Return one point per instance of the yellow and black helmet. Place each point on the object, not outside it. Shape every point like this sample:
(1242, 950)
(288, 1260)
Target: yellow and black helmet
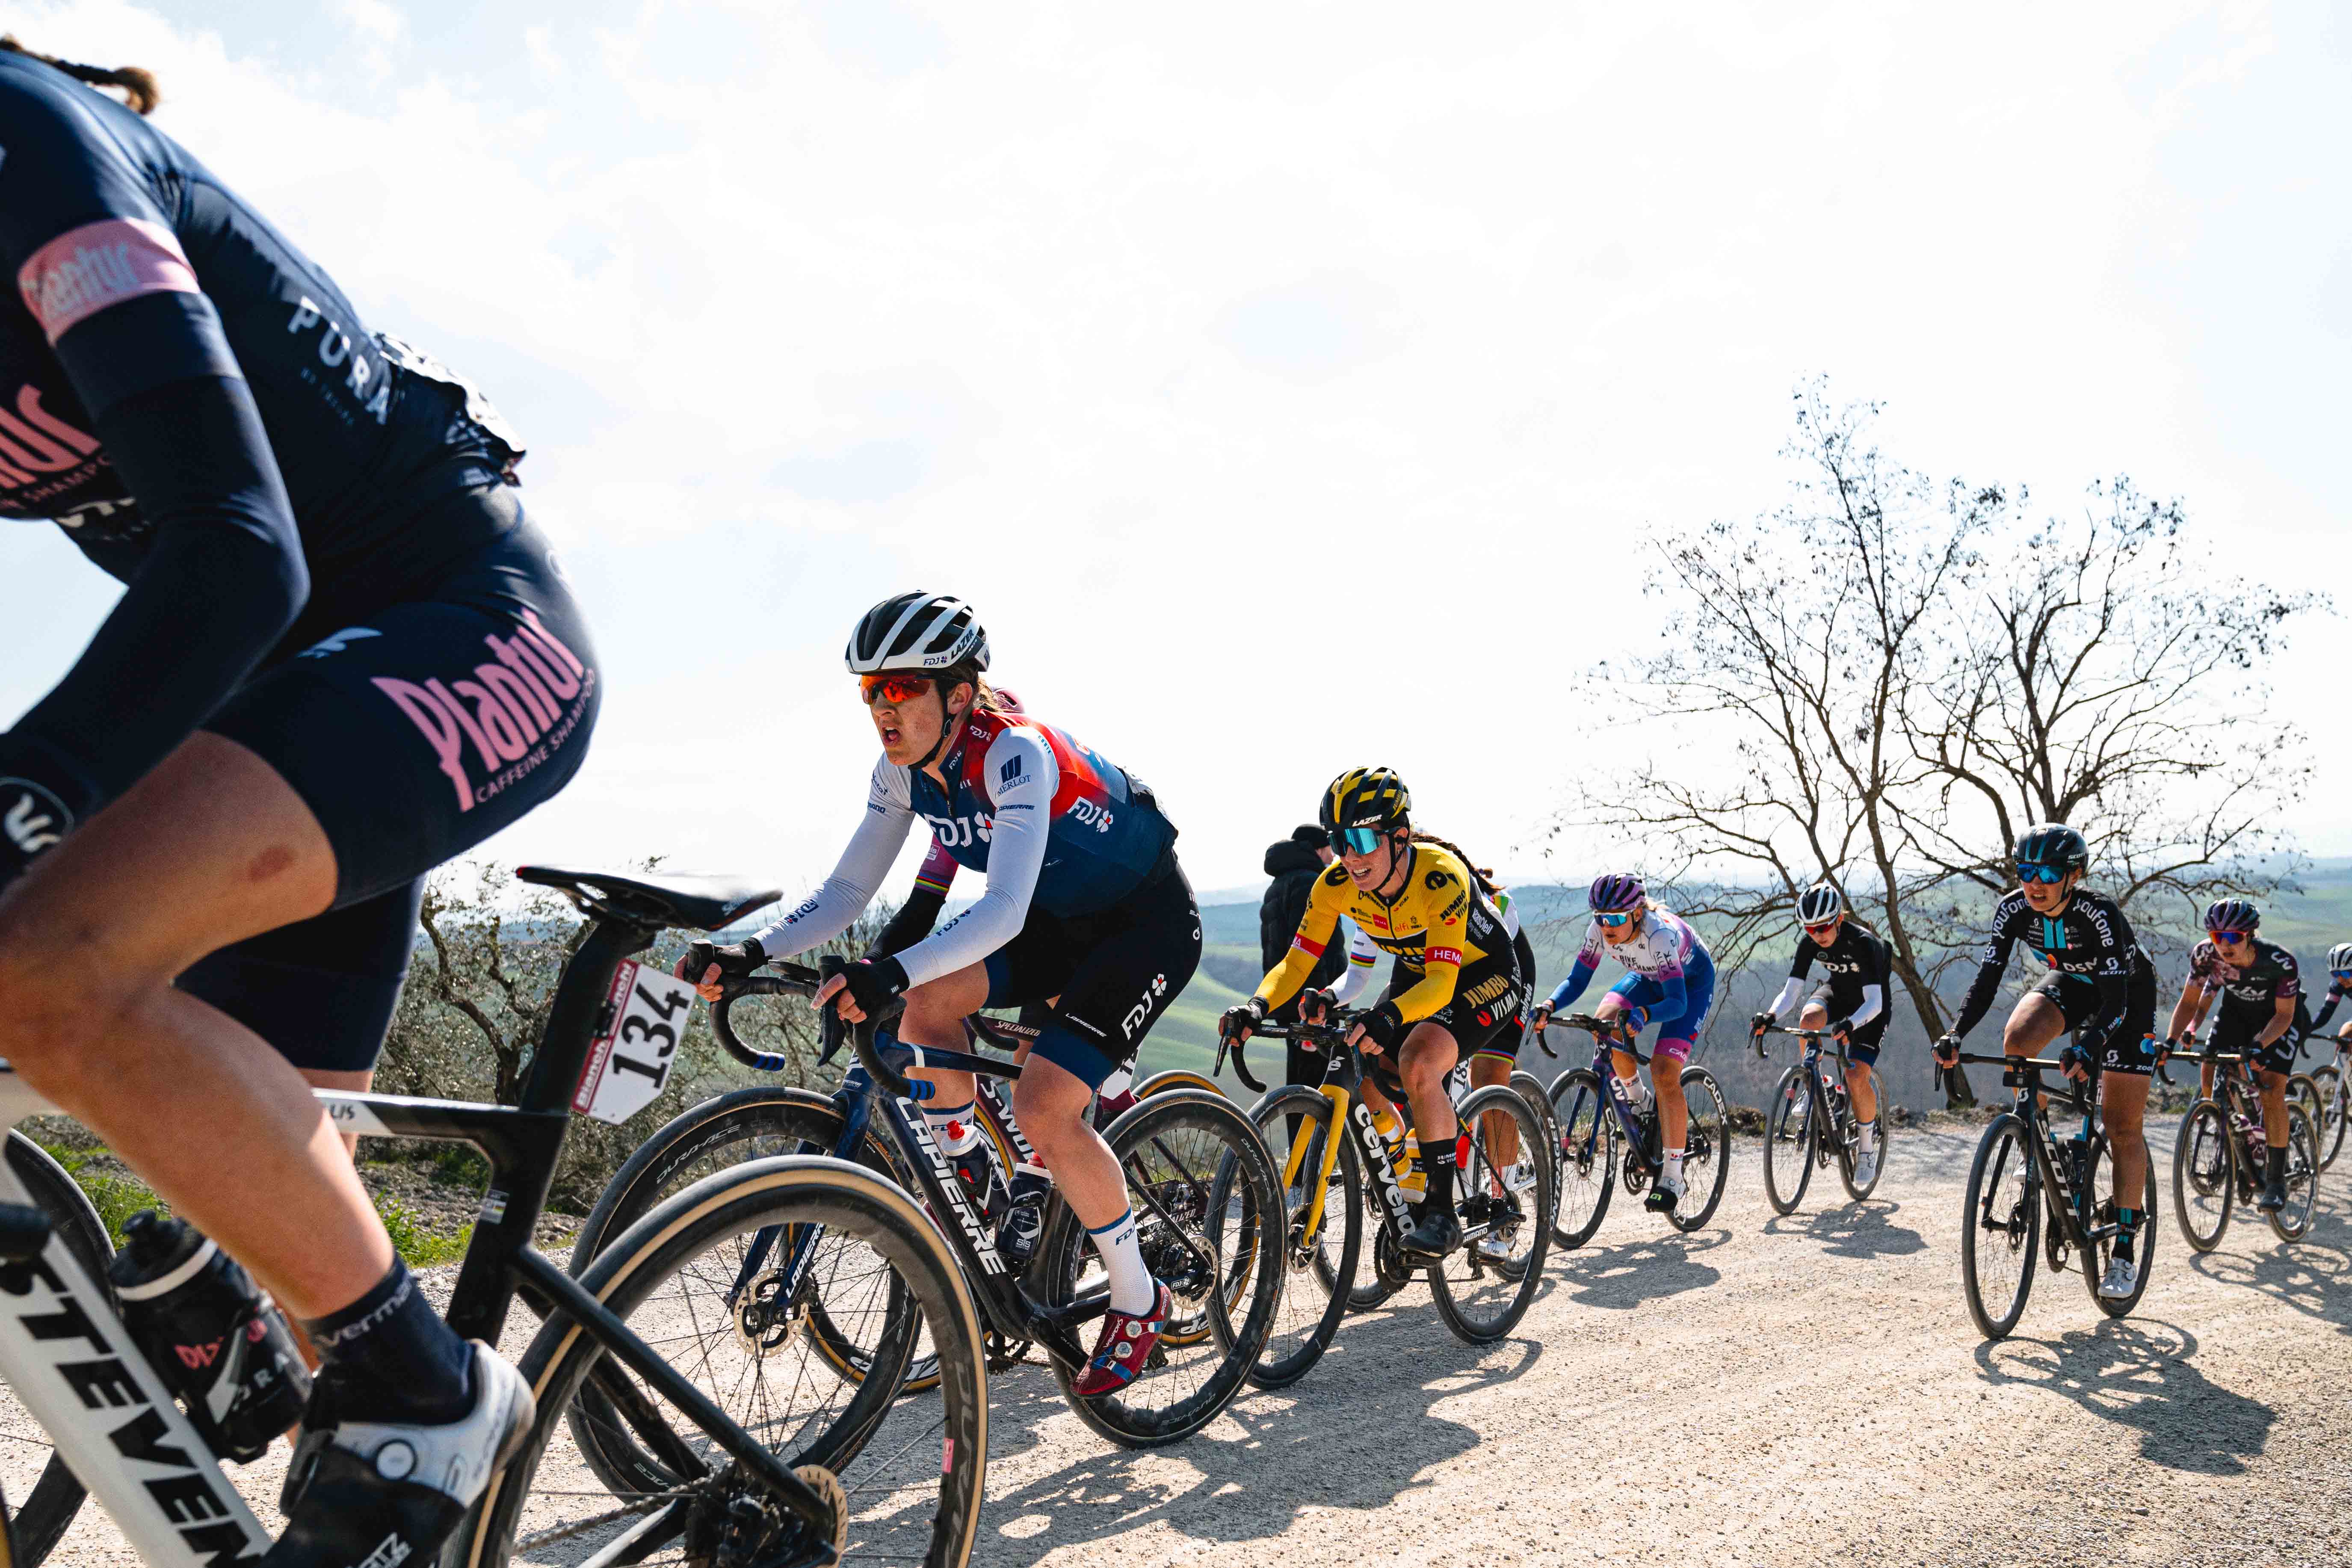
(1373, 799)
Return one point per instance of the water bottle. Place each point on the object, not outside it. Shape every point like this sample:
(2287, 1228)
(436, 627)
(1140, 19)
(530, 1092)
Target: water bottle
(219, 1344)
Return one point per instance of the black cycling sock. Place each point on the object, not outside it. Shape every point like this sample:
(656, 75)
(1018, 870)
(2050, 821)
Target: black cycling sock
(1438, 1163)
(397, 1360)
(2127, 1232)
(2274, 1164)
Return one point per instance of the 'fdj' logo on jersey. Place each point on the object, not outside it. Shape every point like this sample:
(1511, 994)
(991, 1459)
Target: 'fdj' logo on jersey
(514, 711)
(1090, 814)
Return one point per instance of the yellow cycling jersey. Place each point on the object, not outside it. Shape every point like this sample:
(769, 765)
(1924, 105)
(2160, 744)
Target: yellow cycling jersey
(1439, 923)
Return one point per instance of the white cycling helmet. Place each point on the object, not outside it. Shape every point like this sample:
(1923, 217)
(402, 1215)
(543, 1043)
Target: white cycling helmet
(1820, 904)
(917, 631)
(2340, 957)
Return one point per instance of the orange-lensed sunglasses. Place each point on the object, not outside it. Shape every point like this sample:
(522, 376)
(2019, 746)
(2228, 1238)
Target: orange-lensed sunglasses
(893, 687)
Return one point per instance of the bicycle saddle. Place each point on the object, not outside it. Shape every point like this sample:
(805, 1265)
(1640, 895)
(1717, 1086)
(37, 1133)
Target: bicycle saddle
(697, 904)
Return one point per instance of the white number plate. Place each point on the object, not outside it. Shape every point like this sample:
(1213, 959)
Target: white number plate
(628, 1065)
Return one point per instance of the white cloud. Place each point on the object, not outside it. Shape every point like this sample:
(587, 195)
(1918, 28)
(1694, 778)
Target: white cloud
(1273, 378)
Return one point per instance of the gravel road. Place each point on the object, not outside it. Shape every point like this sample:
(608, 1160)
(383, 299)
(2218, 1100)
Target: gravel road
(1763, 1391)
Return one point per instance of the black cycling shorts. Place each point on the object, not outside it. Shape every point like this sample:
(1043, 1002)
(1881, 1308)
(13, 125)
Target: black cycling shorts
(1115, 972)
(2131, 1045)
(2234, 1030)
(1486, 1017)
(412, 734)
(1862, 1045)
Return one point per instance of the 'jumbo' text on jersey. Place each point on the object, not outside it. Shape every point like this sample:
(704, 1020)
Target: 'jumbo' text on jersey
(1439, 923)
(2089, 941)
(2268, 974)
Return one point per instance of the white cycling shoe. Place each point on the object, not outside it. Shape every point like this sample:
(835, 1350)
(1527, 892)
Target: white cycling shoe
(1866, 1166)
(2120, 1279)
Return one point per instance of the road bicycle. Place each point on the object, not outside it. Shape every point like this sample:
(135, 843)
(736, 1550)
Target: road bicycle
(703, 1489)
(2030, 1195)
(1810, 1121)
(1207, 1206)
(1604, 1138)
(1335, 1167)
(2325, 1096)
(768, 1119)
(2220, 1159)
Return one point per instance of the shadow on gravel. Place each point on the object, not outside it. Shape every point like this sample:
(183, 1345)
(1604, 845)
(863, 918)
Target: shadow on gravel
(1631, 1273)
(1250, 1474)
(1854, 1230)
(2136, 1372)
(2313, 1276)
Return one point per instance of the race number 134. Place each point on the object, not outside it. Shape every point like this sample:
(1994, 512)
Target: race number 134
(631, 1061)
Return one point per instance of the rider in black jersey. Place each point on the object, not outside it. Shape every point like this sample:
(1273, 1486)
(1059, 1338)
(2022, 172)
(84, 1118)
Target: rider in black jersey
(341, 656)
(1850, 1001)
(2100, 986)
(2261, 1018)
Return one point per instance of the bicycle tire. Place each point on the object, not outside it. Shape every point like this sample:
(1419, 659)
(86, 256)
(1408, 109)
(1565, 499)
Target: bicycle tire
(2293, 1222)
(1586, 1172)
(1707, 1149)
(53, 1500)
(1179, 1077)
(2001, 1224)
(2202, 1192)
(1531, 1090)
(1457, 1282)
(2303, 1089)
(1317, 1277)
(2332, 1113)
(1175, 1146)
(1791, 1130)
(1847, 1154)
(2101, 1167)
(846, 1200)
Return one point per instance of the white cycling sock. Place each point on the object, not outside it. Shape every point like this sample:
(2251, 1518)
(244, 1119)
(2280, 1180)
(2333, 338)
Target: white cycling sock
(1865, 1137)
(1673, 1174)
(954, 1128)
(1131, 1287)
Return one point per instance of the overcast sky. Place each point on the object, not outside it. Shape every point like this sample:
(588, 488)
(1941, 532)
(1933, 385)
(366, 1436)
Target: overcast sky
(1289, 386)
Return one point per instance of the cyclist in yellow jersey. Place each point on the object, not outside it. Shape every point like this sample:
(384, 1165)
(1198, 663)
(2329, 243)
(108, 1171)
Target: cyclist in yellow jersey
(1456, 987)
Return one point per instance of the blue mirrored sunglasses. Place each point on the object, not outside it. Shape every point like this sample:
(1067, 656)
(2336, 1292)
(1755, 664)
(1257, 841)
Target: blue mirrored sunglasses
(2039, 874)
(1613, 919)
(1355, 840)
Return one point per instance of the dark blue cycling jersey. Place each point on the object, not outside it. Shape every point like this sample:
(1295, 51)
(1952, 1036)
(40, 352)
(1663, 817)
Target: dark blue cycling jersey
(207, 416)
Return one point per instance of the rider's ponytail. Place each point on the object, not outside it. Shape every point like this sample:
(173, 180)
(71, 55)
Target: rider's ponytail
(1485, 876)
(136, 83)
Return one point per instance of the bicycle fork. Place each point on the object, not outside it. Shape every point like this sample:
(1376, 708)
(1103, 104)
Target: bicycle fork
(1328, 1157)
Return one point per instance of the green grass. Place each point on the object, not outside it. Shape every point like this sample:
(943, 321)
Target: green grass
(414, 1239)
(117, 1196)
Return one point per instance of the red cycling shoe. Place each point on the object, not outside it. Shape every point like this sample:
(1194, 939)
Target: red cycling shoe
(1126, 1343)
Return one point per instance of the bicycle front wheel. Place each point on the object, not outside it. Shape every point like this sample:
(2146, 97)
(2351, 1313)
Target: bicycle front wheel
(2101, 1176)
(1209, 1212)
(2293, 1222)
(1484, 1287)
(2329, 1080)
(1323, 1228)
(2001, 1227)
(2203, 1184)
(1789, 1130)
(30, 1467)
(1706, 1150)
(914, 1492)
(1587, 1169)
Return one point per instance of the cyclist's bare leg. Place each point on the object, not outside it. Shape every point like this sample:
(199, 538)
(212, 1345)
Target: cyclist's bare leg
(2122, 1108)
(1429, 1053)
(347, 1083)
(2034, 1024)
(934, 1018)
(2274, 1094)
(211, 847)
(1383, 1108)
(1050, 1103)
(1502, 1131)
(1857, 1075)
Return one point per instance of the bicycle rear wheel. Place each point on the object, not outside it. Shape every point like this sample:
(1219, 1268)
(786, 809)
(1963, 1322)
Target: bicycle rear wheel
(1299, 1133)
(30, 1467)
(1847, 1154)
(1586, 1172)
(2001, 1227)
(2329, 1080)
(2204, 1185)
(1790, 1132)
(1706, 1150)
(913, 1491)
(2102, 1178)
(1209, 1215)
(1482, 1292)
(1531, 1090)
(2293, 1222)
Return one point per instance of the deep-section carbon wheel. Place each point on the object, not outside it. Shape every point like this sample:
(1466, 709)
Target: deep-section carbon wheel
(1706, 1150)
(1323, 1210)
(2001, 1227)
(1503, 1193)
(1587, 1168)
(2103, 1213)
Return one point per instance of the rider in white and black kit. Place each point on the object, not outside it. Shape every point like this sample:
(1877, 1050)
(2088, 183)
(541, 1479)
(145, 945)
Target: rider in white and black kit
(2100, 986)
(2261, 1018)
(1850, 1001)
(1086, 907)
